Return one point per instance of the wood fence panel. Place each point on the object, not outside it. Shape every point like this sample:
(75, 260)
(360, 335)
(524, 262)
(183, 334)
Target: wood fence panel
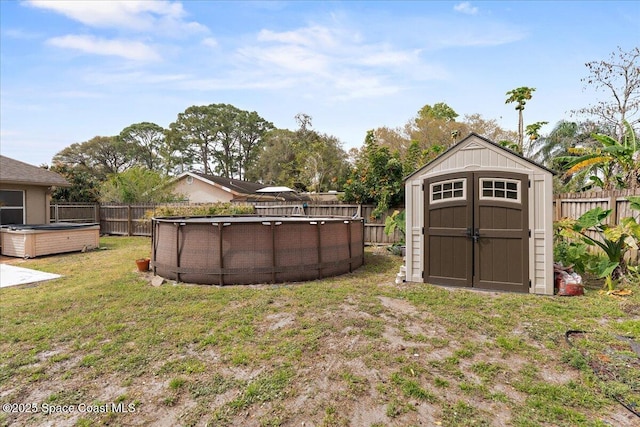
(74, 212)
(114, 220)
(573, 205)
(373, 227)
(129, 220)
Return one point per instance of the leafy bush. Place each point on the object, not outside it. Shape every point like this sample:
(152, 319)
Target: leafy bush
(575, 238)
(220, 208)
(377, 178)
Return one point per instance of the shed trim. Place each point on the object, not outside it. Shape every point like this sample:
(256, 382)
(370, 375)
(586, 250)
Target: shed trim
(473, 146)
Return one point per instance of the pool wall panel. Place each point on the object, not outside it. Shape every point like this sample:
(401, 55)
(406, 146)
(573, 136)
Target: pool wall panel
(212, 250)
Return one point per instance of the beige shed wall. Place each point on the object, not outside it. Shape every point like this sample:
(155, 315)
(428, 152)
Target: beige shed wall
(475, 155)
(36, 202)
(201, 192)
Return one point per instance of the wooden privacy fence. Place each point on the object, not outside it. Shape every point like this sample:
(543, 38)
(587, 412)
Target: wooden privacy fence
(373, 228)
(75, 212)
(574, 205)
(125, 220)
(130, 220)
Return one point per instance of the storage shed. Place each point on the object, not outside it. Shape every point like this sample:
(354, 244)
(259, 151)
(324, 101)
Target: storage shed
(481, 216)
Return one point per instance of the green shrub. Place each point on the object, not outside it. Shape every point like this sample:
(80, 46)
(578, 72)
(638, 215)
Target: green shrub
(219, 208)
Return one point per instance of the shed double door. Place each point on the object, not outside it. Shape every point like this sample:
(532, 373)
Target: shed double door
(476, 230)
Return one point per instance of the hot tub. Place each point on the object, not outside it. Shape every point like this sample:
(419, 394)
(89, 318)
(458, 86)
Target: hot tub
(255, 249)
(29, 240)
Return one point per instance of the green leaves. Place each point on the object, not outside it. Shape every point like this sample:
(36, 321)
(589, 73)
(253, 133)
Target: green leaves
(591, 218)
(377, 178)
(614, 162)
(221, 137)
(395, 221)
(591, 230)
(137, 185)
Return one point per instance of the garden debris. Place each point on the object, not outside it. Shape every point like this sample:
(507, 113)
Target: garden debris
(620, 292)
(567, 282)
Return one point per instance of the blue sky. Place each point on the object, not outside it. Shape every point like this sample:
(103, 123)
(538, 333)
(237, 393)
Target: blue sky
(71, 70)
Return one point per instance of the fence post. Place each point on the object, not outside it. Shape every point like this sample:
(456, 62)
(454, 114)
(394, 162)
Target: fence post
(128, 220)
(558, 208)
(613, 205)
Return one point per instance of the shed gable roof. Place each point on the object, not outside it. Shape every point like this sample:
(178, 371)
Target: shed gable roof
(473, 140)
(17, 172)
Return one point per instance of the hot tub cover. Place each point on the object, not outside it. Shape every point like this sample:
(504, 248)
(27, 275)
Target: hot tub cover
(54, 226)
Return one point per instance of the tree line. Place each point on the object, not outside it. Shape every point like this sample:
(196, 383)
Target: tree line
(599, 150)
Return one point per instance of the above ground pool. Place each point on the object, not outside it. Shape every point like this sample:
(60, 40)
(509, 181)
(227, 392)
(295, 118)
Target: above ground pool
(251, 249)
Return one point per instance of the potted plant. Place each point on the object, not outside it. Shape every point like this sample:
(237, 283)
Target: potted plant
(143, 264)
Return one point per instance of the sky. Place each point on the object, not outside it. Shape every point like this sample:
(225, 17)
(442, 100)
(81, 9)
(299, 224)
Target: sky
(72, 70)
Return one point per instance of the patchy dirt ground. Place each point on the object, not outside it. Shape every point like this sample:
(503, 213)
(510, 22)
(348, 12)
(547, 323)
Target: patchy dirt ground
(378, 362)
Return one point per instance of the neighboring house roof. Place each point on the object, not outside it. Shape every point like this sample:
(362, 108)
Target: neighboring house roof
(475, 135)
(234, 186)
(237, 187)
(17, 172)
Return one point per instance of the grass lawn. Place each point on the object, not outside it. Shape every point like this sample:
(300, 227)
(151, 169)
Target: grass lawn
(101, 346)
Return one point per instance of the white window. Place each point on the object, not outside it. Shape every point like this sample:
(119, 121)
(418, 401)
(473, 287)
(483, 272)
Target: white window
(500, 189)
(11, 207)
(444, 191)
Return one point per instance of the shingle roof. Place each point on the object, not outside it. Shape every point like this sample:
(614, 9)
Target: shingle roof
(17, 172)
(244, 189)
(235, 185)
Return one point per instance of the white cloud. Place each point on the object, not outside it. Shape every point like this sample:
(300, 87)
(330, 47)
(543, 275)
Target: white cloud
(465, 7)
(314, 36)
(128, 49)
(295, 59)
(210, 42)
(134, 15)
(376, 56)
(338, 62)
(19, 34)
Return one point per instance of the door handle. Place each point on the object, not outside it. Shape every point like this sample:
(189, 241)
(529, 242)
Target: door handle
(473, 234)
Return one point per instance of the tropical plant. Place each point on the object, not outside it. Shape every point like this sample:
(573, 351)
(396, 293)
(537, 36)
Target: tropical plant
(575, 237)
(520, 96)
(393, 222)
(396, 221)
(614, 164)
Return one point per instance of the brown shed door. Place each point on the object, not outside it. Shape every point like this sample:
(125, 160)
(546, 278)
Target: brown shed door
(476, 231)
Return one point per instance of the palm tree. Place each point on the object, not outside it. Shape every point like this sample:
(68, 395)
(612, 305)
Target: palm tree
(614, 163)
(520, 96)
(562, 137)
